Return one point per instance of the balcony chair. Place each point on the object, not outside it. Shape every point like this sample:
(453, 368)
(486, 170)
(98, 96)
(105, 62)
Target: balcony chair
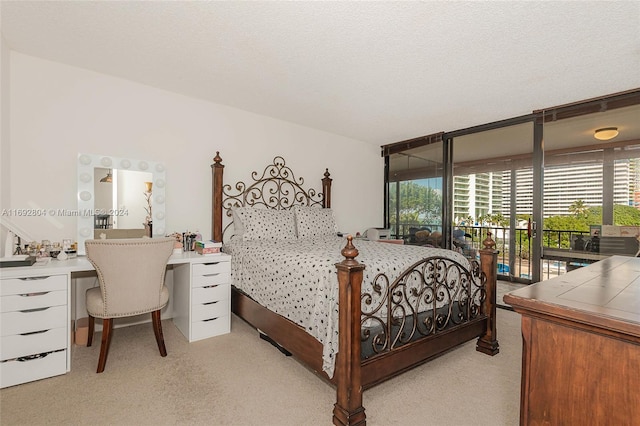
(131, 275)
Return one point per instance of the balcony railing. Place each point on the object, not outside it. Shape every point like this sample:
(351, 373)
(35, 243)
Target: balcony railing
(514, 266)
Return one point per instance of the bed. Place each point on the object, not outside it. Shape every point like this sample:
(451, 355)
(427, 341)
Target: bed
(356, 312)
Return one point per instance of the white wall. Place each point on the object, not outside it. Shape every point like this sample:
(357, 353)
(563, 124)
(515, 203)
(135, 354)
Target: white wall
(58, 111)
(4, 133)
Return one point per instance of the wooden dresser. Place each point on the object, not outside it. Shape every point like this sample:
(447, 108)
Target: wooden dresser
(581, 346)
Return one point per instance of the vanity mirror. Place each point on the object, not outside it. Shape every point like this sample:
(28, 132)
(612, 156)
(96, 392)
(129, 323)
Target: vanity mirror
(141, 196)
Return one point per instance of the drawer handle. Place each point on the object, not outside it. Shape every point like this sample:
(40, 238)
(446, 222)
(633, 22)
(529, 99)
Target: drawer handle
(210, 303)
(211, 275)
(42, 293)
(211, 263)
(32, 357)
(26, 311)
(34, 332)
(210, 319)
(33, 278)
(211, 286)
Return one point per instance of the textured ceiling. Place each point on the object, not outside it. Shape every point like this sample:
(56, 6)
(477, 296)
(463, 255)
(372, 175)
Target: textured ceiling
(375, 71)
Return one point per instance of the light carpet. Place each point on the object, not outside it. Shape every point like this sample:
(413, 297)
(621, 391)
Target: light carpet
(239, 379)
(504, 287)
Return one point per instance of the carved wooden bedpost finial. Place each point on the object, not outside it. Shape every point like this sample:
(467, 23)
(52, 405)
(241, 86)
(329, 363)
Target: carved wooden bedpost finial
(217, 159)
(488, 242)
(350, 252)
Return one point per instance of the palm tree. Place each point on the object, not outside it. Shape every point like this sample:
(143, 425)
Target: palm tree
(578, 208)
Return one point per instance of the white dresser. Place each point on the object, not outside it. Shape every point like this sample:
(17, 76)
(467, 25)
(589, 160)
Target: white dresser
(205, 310)
(35, 328)
(36, 320)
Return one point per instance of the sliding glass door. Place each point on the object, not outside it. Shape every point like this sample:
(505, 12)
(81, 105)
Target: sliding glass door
(493, 193)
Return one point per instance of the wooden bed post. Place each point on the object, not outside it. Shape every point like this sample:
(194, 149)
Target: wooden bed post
(488, 342)
(326, 190)
(348, 409)
(217, 170)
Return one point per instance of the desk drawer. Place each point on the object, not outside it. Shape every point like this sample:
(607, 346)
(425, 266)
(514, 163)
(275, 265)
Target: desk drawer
(26, 370)
(211, 279)
(19, 322)
(213, 267)
(32, 285)
(205, 311)
(25, 301)
(210, 294)
(209, 328)
(18, 345)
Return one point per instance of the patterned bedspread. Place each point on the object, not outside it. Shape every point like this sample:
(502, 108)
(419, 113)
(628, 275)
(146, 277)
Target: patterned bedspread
(298, 279)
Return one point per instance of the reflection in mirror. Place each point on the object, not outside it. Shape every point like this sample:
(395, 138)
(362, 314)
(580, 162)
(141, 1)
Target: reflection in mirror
(119, 197)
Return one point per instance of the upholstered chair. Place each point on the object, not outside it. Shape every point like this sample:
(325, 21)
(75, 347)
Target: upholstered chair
(131, 275)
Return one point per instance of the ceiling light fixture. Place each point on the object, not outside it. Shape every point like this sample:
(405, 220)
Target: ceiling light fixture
(108, 178)
(606, 133)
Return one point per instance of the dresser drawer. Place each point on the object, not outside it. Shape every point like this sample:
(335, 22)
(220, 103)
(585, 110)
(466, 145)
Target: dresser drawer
(24, 301)
(211, 279)
(18, 345)
(209, 328)
(210, 294)
(28, 369)
(32, 284)
(206, 311)
(211, 268)
(19, 322)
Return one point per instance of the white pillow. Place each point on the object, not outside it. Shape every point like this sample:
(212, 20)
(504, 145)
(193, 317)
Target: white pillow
(238, 227)
(266, 224)
(314, 222)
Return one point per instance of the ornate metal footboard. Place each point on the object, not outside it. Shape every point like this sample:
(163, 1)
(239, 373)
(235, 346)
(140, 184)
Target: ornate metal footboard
(432, 295)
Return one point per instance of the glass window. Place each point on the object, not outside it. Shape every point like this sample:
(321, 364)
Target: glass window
(415, 194)
(591, 189)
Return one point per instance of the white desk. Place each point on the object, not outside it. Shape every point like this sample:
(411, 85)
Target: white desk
(36, 317)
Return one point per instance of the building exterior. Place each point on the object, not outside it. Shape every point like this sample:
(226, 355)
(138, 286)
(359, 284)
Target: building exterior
(480, 194)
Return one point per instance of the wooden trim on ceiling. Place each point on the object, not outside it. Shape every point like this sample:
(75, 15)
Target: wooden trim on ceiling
(405, 145)
(491, 126)
(590, 106)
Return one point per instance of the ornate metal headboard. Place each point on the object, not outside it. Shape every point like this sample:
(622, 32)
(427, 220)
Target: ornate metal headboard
(276, 188)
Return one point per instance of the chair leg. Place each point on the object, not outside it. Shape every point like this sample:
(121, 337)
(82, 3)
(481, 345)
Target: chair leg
(92, 321)
(157, 329)
(107, 328)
